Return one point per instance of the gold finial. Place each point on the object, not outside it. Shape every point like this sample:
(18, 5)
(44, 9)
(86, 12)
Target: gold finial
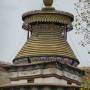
(48, 3)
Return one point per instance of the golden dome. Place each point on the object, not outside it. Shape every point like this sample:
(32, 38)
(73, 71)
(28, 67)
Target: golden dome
(48, 2)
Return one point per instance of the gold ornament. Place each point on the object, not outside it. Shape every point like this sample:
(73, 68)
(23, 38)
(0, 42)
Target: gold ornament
(48, 2)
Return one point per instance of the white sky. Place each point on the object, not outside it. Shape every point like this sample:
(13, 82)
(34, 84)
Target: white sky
(12, 37)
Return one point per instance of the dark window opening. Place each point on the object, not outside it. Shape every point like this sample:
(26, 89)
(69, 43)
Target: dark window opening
(31, 81)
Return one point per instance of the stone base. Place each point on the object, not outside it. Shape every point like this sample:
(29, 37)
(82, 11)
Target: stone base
(38, 87)
(45, 73)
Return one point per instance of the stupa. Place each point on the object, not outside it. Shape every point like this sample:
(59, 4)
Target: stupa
(46, 61)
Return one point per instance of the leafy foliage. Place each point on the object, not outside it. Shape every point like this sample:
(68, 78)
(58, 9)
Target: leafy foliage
(82, 20)
(86, 78)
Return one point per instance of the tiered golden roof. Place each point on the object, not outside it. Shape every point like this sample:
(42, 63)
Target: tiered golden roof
(46, 40)
(46, 37)
(38, 46)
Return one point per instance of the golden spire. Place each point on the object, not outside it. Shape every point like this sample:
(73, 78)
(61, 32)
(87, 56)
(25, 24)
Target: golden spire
(48, 3)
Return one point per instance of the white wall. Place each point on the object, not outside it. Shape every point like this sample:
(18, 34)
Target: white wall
(51, 80)
(19, 82)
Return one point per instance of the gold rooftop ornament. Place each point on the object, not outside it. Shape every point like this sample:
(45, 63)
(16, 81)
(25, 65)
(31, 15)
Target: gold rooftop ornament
(48, 3)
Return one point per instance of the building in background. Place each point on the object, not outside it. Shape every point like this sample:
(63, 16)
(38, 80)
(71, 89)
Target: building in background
(46, 61)
(4, 78)
(86, 78)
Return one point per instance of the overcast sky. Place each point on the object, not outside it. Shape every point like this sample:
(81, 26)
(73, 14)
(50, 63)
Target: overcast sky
(12, 37)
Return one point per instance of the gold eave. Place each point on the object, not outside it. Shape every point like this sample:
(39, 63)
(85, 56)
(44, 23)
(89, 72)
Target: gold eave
(52, 16)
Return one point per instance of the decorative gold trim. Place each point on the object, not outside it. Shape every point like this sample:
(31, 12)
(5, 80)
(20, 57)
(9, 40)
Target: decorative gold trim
(52, 18)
